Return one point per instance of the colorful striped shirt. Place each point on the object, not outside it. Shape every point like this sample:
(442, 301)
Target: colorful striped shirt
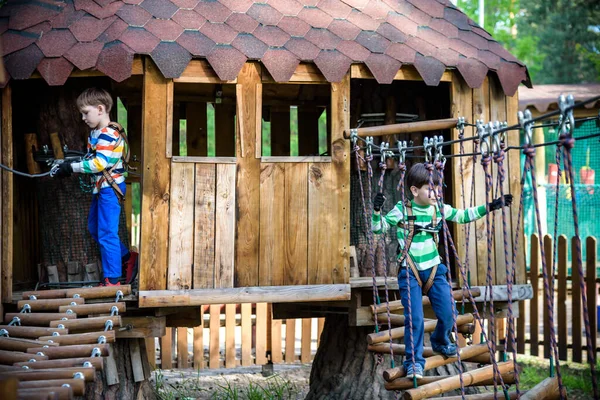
(423, 249)
(104, 150)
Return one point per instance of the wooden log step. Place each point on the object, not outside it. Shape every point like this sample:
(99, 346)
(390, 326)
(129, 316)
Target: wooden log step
(31, 332)
(37, 319)
(11, 357)
(89, 374)
(81, 350)
(88, 324)
(97, 363)
(453, 382)
(481, 396)
(547, 389)
(17, 344)
(45, 294)
(78, 385)
(407, 383)
(400, 349)
(397, 333)
(438, 360)
(4, 368)
(100, 292)
(48, 304)
(100, 308)
(59, 393)
(81, 338)
(397, 304)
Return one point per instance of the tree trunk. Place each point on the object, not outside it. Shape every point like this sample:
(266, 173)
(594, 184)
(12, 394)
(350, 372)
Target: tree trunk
(343, 368)
(125, 359)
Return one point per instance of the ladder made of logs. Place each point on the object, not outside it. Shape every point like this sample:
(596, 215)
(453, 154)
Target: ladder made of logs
(432, 386)
(57, 342)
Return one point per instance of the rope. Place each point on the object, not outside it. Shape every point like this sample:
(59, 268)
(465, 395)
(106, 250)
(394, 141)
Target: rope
(26, 175)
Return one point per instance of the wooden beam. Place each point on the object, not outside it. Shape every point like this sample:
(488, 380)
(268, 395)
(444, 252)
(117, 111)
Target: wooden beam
(519, 292)
(169, 120)
(406, 73)
(156, 173)
(271, 294)
(406, 127)
(205, 160)
(142, 327)
(6, 245)
(547, 389)
(295, 159)
(200, 71)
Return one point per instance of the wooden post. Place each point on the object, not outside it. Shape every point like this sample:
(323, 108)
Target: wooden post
(548, 251)
(166, 352)
(74, 272)
(533, 303)
(246, 314)
(563, 336)
(56, 146)
(576, 313)
(199, 342)
(31, 146)
(156, 173)
(6, 220)
(91, 271)
(590, 247)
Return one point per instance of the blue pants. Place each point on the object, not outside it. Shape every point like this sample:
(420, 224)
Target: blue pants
(439, 294)
(103, 224)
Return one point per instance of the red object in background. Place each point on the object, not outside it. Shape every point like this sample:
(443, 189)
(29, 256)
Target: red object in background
(587, 176)
(552, 174)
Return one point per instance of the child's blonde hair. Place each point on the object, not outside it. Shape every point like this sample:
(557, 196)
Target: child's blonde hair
(95, 97)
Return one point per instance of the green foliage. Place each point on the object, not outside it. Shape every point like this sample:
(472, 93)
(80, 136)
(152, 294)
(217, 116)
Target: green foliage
(558, 40)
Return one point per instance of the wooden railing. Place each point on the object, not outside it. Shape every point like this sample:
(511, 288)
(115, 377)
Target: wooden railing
(235, 335)
(533, 324)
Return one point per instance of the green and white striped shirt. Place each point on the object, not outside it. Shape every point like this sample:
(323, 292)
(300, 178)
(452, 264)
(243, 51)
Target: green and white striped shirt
(423, 249)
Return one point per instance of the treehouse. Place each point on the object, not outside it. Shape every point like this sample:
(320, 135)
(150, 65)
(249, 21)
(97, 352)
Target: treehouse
(236, 115)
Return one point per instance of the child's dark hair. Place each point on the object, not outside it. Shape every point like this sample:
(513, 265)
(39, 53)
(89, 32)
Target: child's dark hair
(418, 176)
(95, 97)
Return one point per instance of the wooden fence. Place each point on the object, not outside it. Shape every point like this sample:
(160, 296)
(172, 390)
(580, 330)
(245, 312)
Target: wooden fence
(533, 324)
(235, 335)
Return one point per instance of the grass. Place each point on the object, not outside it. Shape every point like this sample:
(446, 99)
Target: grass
(272, 388)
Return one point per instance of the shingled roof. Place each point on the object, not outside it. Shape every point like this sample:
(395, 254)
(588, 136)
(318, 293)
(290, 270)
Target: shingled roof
(57, 36)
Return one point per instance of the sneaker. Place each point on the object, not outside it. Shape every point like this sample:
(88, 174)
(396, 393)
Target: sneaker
(416, 372)
(107, 283)
(447, 350)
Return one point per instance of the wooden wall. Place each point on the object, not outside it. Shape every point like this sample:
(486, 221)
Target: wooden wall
(489, 104)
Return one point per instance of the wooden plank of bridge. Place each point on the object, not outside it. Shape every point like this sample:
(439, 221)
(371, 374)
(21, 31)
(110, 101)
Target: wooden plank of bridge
(166, 352)
(230, 336)
(246, 334)
(290, 341)
(563, 334)
(576, 313)
(305, 352)
(590, 247)
(533, 303)
(213, 346)
(204, 227)
(261, 333)
(547, 292)
(182, 348)
(199, 342)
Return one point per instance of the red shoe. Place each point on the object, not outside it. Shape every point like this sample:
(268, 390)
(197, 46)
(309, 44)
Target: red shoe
(107, 283)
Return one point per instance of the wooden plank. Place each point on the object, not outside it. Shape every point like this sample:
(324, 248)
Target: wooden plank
(290, 341)
(306, 73)
(181, 227)
(498, 113)
(204, 160)
(590, 277)
(136, 361)
(213, 346)
(182, 348)
(276, 352)
(305, 351)
(462, 106)
(320, 326)
(199, 343)
(169, 120)
(204, 227)
(225, 214)
(196, 129)
(258, 126)
(533, 303)
(166, 352)
(246, 320)
(261, 333)
(143, 327)
(562, 332)
(272, 294)
(514, 169)
(272, 225)
(155, 182)
(520, 328)
(576, 312)
(406, 73)
(200, 71)
(151, 351)
(321, 224)
(225, 127)
(481, 109)
(295, 225)
(298, 159)
(230, 336)
(6, 245)
(248, 177)
(340, 180)
(548, 251)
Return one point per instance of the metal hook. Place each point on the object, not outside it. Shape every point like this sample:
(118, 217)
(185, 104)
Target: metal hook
(96, 352)
(39, 353)
(55, 334)
(525, 122)
(108, 325)
(76, 296)
(101, 339)
(78, 375)
(427, 146)
(460, 125)
(16, 321)
(369, 142)
(354, 136)
(32, 360)
(26, 309)
(87, 364)
(382, 148)
(69, 311)
(114, 310)
(32, 297)
(25, 367)
(66, 385)
(3, 333)
(60, 326)
(402, 151)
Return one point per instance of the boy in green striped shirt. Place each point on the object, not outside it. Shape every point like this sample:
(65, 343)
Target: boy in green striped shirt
(423, 217)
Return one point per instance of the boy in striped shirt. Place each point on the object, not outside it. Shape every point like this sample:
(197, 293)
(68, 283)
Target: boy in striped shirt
(426, 274)
(104, 153)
